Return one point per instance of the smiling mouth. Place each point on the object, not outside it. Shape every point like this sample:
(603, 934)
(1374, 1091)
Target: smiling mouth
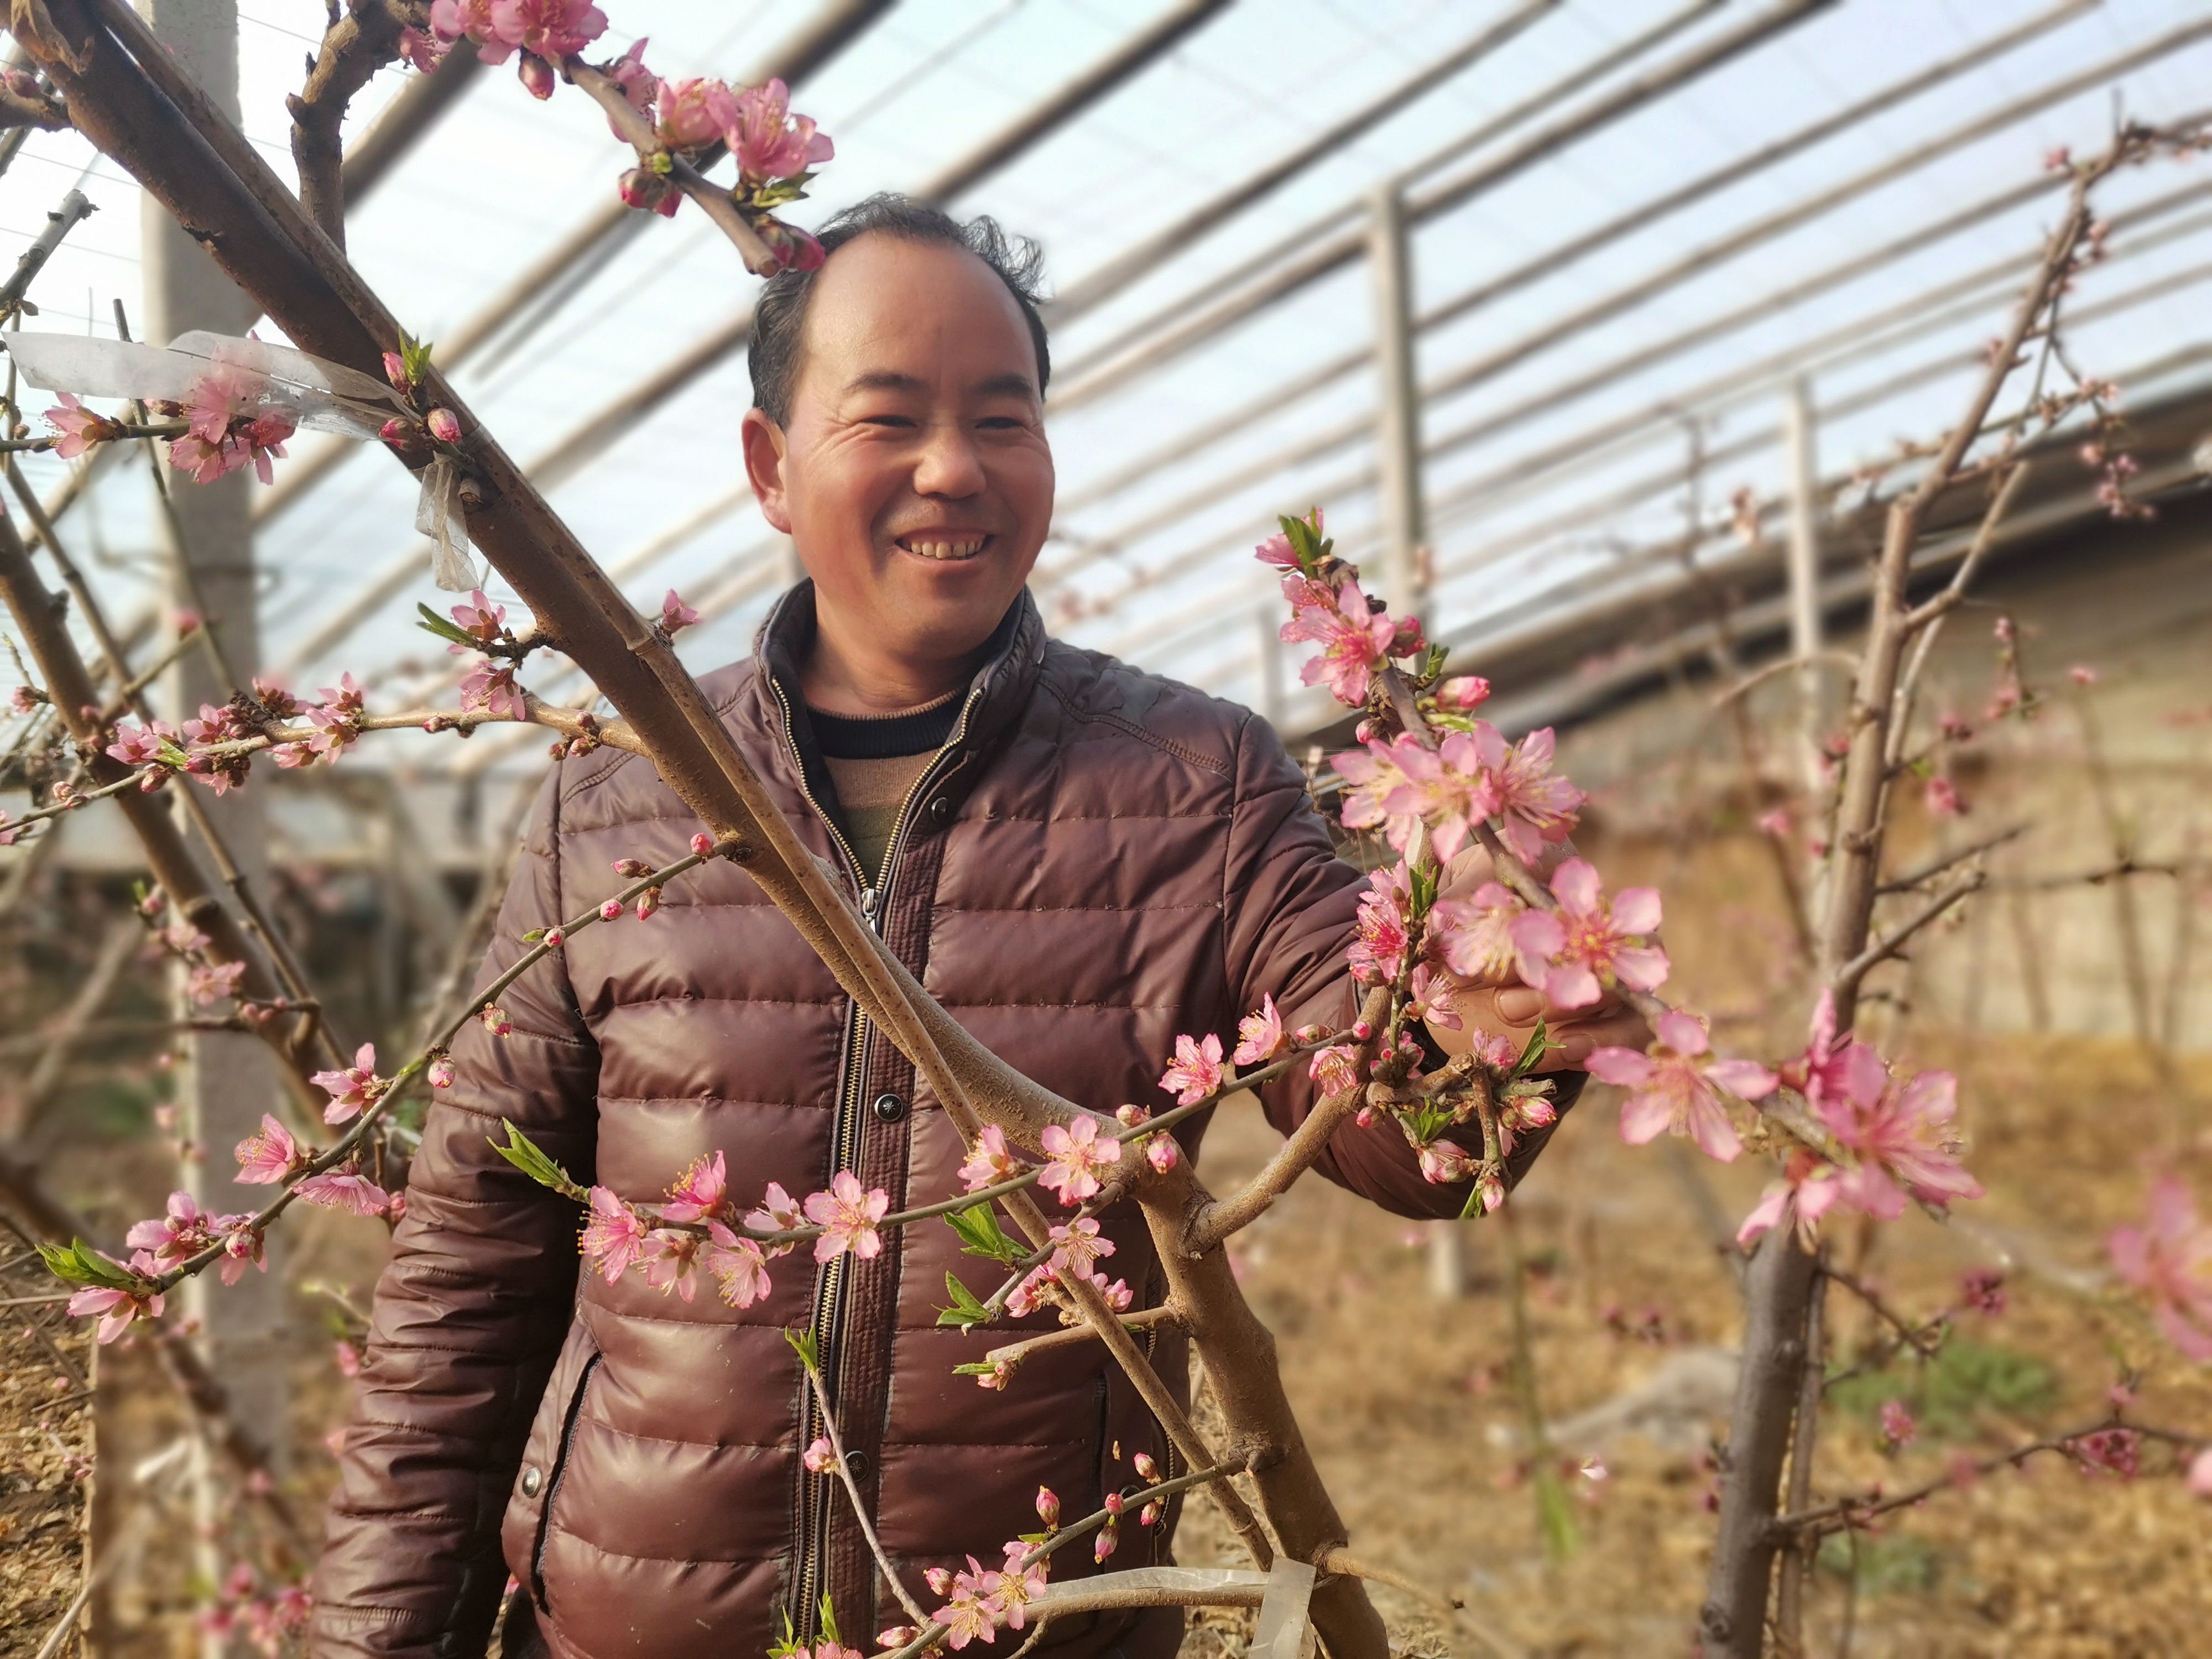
(942, 547)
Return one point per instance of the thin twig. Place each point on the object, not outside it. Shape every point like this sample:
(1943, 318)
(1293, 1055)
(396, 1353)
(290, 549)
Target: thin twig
(853, 1492)
(1847, 978)
(1936, 866)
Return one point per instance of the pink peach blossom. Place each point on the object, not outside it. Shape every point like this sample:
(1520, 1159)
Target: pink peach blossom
(1475, 935)
(352, 1090)
(675, 614)
(848, 1214)
(1335, 1069)
(1259, 1037)
(1377, 954)
(552, 29)
(116, 1308)
(739, 1265)
(80, 427)
(1587, 943)
(1355, 642)
(671, 1261)
(1451, 789)
(344, 1189)
(1078, 1153)
(1674, 1087)
(695, 112)
(2171, 1258)
(698, 1192)
(1902, 1136)
(989, 1162)
(1534, 806)
(267, 1157)
(614, 1236)
(183, 1230)
(1446, 1162)
(779, 1213)
(1195, 1074)
(768, 140)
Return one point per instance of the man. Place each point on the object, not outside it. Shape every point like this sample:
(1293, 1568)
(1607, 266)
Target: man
(1077, 860)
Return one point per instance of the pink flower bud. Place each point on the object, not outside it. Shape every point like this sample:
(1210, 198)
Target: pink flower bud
(395, 370)
(1362, 1031)
(820, 1457)
(445, 425)
(440, 1073)
(1162, 1153)
(537, 75)
(612, 910)
(646, 190)
(1463, 692)
(402, 433)
(1364, 1117)
(555, 938)
(497, 1022)
(1145, 1467)
(1131, 1117)
(648, 902)
(632, 867)
(702, 845)
(2081, 674)
(1107, 1542)
(1306, 1034)
(1048, 1506)
(938, 1580)
(1150, 1516)
(1114, 1504)
(897, 1636)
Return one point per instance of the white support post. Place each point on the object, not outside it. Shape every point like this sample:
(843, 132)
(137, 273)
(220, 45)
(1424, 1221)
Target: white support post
(1398, 403)
(228, 1079)
(1800, 439)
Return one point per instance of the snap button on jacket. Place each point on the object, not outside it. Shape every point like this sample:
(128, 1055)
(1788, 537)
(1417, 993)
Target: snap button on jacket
(1099, 859)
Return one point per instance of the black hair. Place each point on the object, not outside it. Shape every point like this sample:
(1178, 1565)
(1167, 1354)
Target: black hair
(780, 315)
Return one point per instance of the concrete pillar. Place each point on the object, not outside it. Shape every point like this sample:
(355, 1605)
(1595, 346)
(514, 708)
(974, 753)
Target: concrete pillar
(1800, 439)
(1268, 621)
(1398, 403)
(229, 1080)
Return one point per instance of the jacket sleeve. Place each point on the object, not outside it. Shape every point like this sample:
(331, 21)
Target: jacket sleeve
(1290, 913)
(470, 1313)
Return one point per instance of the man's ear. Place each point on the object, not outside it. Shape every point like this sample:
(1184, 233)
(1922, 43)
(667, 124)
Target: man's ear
(762, 441)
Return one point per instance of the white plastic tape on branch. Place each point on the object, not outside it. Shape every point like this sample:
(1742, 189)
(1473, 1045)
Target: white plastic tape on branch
(1283, 1594)
(216, 376)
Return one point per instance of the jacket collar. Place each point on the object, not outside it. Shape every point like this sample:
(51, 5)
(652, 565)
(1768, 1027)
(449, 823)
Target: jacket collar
(1004, 682)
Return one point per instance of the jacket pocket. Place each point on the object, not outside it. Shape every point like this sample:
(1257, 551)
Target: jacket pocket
(522, 1530)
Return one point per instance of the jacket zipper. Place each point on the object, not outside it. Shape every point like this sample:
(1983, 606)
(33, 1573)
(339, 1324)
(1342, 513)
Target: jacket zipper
(553, 1485)
(816, 1499)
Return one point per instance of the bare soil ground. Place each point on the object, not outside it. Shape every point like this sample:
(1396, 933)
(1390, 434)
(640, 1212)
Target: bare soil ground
(1408, 1404)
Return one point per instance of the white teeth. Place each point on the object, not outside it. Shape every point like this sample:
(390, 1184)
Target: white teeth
(962, 549)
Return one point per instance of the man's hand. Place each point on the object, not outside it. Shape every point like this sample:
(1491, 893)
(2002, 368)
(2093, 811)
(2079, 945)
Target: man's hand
(1501, 1005)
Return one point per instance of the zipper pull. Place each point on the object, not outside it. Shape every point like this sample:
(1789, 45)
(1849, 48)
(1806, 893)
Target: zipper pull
(868, 903)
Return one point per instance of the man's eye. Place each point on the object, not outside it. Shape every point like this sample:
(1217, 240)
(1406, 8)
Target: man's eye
(886, 420)
(1000, 424)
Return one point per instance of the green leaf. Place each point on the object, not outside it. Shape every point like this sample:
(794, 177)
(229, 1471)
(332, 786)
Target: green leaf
(416, 354)
(1539, 1042)
(981, 1234)
(804, 1344)
(790, 1644)
(830, 1620)
(78, 1263)
(524, 1154)
(445, 629)
(966, 1310)
(975, 1368)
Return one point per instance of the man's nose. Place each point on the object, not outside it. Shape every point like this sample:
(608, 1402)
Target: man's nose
(949, 464)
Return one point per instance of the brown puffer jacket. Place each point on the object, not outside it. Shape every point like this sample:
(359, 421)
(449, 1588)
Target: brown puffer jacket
(1099, 860)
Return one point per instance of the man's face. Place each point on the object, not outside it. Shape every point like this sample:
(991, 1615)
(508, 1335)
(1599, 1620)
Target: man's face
(913, 474)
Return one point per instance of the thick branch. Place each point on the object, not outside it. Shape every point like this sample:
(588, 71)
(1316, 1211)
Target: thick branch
(713, 200)
(353, 48)
(1299, 1153)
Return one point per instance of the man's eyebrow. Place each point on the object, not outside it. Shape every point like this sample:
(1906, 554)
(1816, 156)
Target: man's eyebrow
(1008, 386)
(885, 379)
